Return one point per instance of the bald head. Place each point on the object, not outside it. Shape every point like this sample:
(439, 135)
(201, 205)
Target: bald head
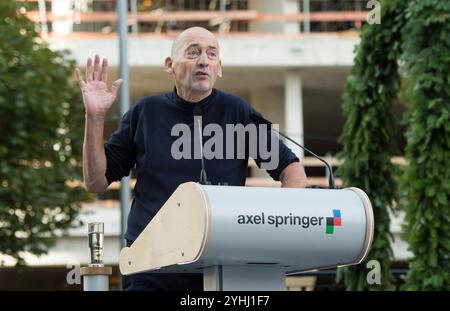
(195, 63)
(189, 34)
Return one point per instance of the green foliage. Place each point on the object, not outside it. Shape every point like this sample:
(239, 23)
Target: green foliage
(41, 141)
(369, 95)
(426, 181)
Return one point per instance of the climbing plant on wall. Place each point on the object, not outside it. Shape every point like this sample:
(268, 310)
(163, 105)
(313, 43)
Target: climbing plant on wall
(426, 181)
(367, 138)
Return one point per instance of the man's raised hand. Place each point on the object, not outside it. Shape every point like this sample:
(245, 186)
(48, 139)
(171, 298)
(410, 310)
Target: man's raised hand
(96, 96)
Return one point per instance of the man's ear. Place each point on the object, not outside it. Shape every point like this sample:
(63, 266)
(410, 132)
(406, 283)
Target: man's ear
(168, 65)
(219, 73)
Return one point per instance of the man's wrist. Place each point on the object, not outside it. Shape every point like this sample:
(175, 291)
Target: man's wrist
(95, 117)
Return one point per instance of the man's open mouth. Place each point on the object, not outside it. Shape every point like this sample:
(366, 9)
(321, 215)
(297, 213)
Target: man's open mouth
(200, 74)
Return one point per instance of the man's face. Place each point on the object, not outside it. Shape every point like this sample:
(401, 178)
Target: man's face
(196, 63)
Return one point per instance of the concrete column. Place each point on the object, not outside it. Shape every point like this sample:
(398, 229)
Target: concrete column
(62, 8)
(275, 7)
(293, 110)
(290, 7)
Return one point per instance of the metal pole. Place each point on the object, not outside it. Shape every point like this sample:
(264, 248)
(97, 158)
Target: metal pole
(223, 9)
(97, 282)
(306, 24)
(134, 12)
(124, 102)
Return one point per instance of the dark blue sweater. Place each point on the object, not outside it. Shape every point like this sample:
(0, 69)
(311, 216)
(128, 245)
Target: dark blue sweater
(144, 140)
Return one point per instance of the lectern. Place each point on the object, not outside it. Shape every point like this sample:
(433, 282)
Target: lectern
(249, 238)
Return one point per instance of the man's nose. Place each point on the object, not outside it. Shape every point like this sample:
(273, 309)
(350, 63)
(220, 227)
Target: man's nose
(203, 60)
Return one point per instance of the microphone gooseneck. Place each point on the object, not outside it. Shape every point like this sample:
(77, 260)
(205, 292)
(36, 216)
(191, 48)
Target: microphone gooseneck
(260, 120)
(198, 119)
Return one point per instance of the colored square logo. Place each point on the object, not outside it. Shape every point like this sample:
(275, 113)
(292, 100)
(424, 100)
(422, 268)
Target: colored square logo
(330, 221)
(334, 221)
(330, 230)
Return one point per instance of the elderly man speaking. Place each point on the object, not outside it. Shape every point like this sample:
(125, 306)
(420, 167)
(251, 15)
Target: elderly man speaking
(144, 139)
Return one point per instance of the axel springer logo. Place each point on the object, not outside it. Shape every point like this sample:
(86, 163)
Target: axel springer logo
(304, 222)
(334, 221)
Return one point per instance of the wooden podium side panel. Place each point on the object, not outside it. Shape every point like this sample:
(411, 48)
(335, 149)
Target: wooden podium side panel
(176, 235)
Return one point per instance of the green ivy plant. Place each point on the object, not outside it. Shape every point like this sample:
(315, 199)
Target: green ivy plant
(367, 138)
(41, 138)
(426, 181)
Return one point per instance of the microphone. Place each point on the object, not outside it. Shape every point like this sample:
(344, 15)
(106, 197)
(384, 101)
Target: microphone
(198, 119)
(260, 120)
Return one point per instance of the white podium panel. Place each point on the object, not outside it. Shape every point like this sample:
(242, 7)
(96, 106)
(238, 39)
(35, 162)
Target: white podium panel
(288, 229)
